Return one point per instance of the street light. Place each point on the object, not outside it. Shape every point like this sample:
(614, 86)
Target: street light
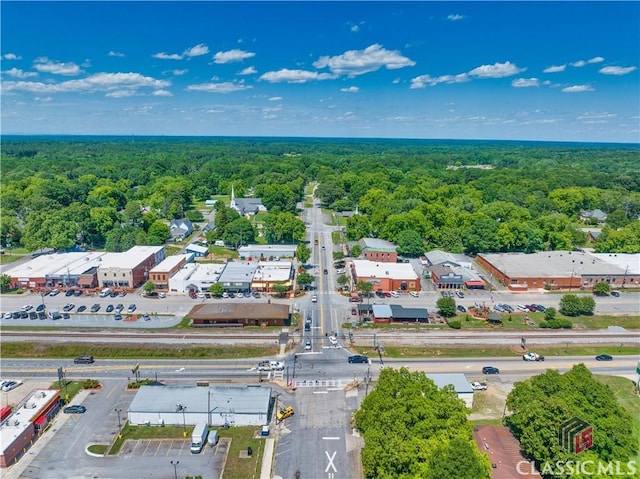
(175, 468)
(184, 421)
(117, 410)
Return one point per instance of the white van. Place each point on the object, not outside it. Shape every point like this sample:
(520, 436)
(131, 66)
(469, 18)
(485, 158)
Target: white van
(212, 440)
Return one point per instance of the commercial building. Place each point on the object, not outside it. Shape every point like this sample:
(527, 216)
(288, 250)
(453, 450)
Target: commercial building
(394, 313)
(26, 423)
(238, 314)
(386, 276)
(129, 269)
(198, 250)
(161, 273)
(267, 251)
(561, 269)
(271, 272)
(190, 405)
(237, 276)
(378, 250)
(459, 382)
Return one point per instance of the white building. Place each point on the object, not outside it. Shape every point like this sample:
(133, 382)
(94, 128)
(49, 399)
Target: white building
(199, 276)
(458, 381)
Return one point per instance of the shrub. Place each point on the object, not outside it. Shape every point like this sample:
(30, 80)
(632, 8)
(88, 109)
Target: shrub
(455, 324)
(557, 324)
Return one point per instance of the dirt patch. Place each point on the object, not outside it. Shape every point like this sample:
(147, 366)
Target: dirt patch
(489, 404)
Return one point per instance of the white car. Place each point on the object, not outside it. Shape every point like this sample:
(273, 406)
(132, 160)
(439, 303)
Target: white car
(9, 385)
(27, 307)
(307, 345)
(333, 340)
(413, 293)
(523, 308)
(476, 386)
(532, 357)
(394, 294)
(314, 299)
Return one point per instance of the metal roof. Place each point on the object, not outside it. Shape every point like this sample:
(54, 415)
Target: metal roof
(373, 269)
(458, 380)
(238, 272)
(243, 310)
(377, 244)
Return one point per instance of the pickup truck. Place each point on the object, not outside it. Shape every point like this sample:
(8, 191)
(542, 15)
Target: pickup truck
(270, 366)
(532, 357)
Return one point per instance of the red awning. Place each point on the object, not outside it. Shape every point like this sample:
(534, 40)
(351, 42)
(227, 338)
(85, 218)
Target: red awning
(41, 420)
(475, 282)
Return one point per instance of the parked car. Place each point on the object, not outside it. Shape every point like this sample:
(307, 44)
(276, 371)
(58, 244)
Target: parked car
(255, 294)
(540, 308)
(284, 413)
(459, 294)
(75, 409)
(461, 308)
(476, 386)
(33, 315)
(604, 357)
(119, 307)
(95, 308)
(443, 294)
(131, 308)
(54, 292)
(523, 308)
(68, 307)
(65, 315)
(379, 294)
(77, 293)
(387, 294)
(490, 370)
(109, 308)
(146, 317)
(413, 293)
(27, 307)
(615, 293)
(39, 308)
(6, 315)
(81, 308)
(507, 308)
(10, 385)
(358, 358)
(69, 292)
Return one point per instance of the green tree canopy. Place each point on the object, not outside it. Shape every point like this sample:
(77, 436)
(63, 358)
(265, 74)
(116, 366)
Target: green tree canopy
(447, 307)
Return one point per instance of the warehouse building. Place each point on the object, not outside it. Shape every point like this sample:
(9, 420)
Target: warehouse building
(459, 382)
(269, 252)
(376, 249)
(222, 406)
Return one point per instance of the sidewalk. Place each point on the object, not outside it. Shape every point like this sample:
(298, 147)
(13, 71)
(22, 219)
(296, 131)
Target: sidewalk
(267, 458)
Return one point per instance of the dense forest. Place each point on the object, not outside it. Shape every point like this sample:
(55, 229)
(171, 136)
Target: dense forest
(114, 192)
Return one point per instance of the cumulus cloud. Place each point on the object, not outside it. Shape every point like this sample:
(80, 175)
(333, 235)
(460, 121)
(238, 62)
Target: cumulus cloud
(497, 70)
(525, 82)
(44, 65)
(579, 64)
(18, 73)
(454, 17)
(275, 98)
(248, 71)
(115, 54)
(577, 88)
(200, 49)
(351, 89)
(231, 56)
(107, 82)
(616, 70)
(294, 76)
(555, 69)
(11, 56)
(427, 80)
(595, 60)
(224, 87)
(358, 62)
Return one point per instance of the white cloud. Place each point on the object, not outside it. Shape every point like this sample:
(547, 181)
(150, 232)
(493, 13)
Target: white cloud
(525, 82)
(44, 65)
(555, 69)
(579, 64)
(115, 54)
(424, 80)
(358, 62)
(18, 73)
(11, 56)
(224, 87)
(167, 56)
(354, 28)
(248, 71)
(577, 88)
(275, 98)
(351, 89)
(231, 56)
(108, 82)
(616, 70)
(120, 94)
(395, 81)
(454, 17)
(497, 70)
(162, 93)
(294, 76)
(45, 99)
(179, 72)
(195, 51)
(595, 60)
(596, 117)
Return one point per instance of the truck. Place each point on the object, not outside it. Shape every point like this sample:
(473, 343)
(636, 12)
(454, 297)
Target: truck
(270, 366)
(532, 357)
(199, 437)
(105, 292)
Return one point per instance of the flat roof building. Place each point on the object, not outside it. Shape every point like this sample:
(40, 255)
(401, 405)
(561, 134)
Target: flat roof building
(241, 313)
(376, 249)
(386, 276)
(267, 251)
(271, 272)
(459, 382)
(238, 276)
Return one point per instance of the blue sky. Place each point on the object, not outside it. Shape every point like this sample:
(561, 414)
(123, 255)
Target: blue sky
(460, 70)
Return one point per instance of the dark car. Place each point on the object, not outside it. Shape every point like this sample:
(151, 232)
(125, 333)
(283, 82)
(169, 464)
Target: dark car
(358, 358)
(255, 294)
(615, 293)
(95, 308)
(66, 315)
(379, 294)
(326, 271)
(109, 308)
(461, 308)
(33, 315)
(86, 359)
(604, 357)
(540, 308)
(490, 370)
(68, 307)
(75, 409)
(77, 293)
(81, 308)
(117, 317)
(119, 307)
(69, 292)
(42, 315)
(307, 326)
(40, 307)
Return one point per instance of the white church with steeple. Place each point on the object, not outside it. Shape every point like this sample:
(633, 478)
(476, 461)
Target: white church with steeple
(246, 206)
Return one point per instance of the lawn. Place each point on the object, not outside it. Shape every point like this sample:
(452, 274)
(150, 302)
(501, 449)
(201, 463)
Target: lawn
(241, 438)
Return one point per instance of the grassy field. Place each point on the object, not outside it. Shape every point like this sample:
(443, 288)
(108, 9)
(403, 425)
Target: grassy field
(623, 390)
(109, 351)
(241, 438)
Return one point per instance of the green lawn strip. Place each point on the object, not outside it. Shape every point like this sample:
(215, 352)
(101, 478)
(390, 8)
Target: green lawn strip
(98, 448)
(35, 350)
(69, 389)
(398, 352)
(149, 432)
(623, 390)
(241, 438)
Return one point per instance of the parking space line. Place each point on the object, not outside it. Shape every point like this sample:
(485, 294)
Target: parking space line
(157, 448)
(144, 453)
